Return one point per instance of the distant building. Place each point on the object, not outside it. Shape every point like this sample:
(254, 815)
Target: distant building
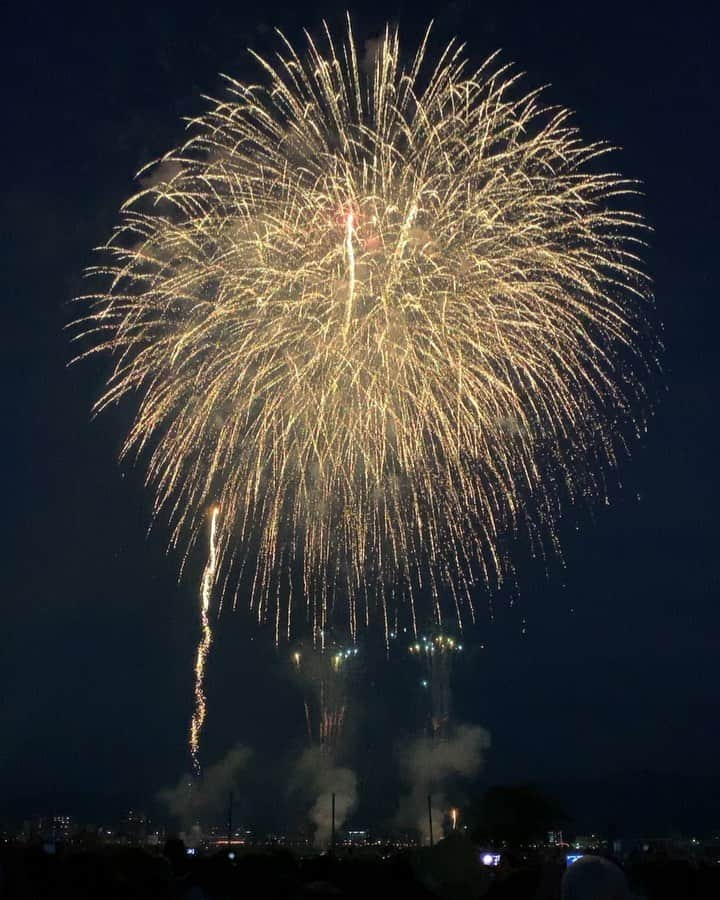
(587, 842)
(556, 839)
(62, 827)
(135, 826)
(358, 836)
(48, 828)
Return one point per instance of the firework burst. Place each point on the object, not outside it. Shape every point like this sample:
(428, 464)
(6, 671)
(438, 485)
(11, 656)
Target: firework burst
(436, 653)
(384, 315)
(326, 673)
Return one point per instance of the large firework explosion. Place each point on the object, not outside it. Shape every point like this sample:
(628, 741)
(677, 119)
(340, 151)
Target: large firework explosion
(383, 315)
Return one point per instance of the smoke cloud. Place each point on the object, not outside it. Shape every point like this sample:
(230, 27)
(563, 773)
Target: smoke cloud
(371, 50)
(205, 797)
(160, 174)
(428, 764)
(369, 55)
(317, 776)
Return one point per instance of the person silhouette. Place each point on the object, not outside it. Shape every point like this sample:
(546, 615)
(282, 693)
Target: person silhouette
(594, 878)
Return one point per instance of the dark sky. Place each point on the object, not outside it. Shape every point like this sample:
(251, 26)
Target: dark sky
(610, 692)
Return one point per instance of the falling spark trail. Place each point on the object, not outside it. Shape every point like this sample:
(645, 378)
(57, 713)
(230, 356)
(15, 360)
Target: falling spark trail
(351, 270)
(325, 674)
(208, 580)
(436, 653)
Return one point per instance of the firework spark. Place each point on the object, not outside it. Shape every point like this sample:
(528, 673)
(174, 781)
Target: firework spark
(208, 580)
(436, 655)
(325, 673)
(388, 315)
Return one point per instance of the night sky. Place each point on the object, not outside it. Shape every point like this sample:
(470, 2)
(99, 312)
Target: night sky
(601, 681)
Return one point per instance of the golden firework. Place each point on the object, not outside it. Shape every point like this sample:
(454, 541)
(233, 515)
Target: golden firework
(385, 316)
(206, 587)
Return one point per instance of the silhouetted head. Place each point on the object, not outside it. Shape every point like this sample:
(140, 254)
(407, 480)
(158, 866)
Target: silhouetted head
(175, 854)
(594, 878)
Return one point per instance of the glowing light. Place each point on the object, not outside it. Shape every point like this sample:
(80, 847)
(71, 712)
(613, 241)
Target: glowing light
(326, 674)
(387, 319)
(435, 654)
(208, 580)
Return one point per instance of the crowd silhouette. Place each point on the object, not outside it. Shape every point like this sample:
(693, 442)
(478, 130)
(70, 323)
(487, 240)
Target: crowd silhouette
(451, 870)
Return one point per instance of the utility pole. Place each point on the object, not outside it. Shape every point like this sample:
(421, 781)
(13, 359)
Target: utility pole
(229, 820)
(430, 818)
(332, 830)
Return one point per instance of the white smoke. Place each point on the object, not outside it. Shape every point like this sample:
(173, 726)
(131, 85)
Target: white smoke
(207, 796)
(428, 764)
(317, 776)
(160, 174)
(368, 58)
